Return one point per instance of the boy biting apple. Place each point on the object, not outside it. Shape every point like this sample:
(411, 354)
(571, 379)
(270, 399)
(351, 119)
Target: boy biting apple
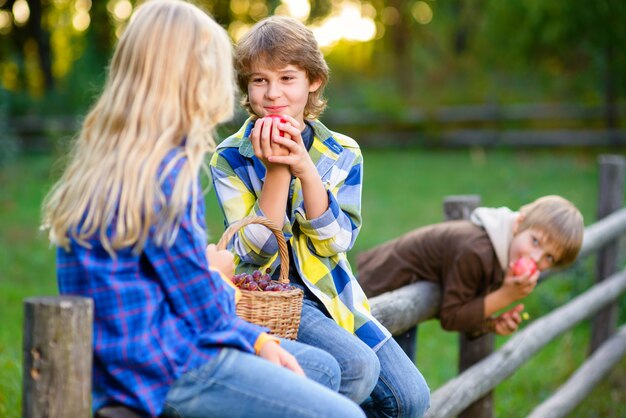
(483, 265)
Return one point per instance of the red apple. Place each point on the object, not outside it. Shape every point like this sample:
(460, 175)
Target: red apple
(524, 265)
(278, 119)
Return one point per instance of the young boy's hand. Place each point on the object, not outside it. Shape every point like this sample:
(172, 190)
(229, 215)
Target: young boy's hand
(509, 321)
(222, 260)
(518, 287)
(298, 158)
(261, 137)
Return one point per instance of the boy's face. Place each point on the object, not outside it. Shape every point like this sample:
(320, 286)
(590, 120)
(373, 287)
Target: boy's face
(282, 91)
(532, 243)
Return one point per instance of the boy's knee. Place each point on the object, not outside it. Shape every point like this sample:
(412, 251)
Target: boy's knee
(414, 398)
(320, 366)
(332, 372)
(360, 375)
(365, 364)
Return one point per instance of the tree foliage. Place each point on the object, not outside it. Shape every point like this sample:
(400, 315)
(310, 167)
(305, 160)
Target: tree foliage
(422, 51)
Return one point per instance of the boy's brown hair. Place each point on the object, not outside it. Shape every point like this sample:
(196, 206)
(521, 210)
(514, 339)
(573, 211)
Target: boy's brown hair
(562, 223)
(278, 41)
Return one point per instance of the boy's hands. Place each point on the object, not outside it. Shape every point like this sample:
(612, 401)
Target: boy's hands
(274, 353)
(513, 289)
(508, 322)
(261, 137)
(222, 260)
(297, 158)
(520, 286)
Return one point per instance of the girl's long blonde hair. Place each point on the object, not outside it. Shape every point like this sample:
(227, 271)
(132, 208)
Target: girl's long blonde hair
(170, 82)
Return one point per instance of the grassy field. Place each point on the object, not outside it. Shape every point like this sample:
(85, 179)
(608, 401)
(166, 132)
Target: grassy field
(403, 189)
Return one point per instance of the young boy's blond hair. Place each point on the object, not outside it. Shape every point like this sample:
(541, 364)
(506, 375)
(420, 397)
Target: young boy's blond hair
(276, 42)
(561, 222)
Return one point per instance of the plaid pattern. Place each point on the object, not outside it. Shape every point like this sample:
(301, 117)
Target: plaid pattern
(158, 313)
(319, 245)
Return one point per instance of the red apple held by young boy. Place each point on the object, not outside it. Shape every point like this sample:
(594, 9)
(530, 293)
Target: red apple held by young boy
(278, 119)
(524, 265)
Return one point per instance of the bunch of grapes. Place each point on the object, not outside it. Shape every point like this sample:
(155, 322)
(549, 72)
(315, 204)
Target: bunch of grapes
(260, 282)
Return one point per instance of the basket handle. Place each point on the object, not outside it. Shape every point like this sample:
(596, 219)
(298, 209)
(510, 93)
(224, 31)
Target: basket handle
(280, 238)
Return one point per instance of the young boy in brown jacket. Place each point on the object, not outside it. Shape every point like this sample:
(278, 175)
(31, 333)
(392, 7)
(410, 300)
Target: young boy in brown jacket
(478, 262)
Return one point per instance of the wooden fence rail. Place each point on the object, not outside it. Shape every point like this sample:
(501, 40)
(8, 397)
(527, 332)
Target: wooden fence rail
(58, 333)
(513, 125)
(567, 397)
(401, 309)
(464, 389)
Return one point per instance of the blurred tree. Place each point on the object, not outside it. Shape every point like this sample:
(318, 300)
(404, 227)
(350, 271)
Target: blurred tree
(400, 36)
(419, 47)
(34, 29)
(30, 32)
(564, 38)
(610, 17)
(100, 31)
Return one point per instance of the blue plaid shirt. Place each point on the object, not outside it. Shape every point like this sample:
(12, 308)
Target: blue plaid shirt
(158, 313)
(319, 246)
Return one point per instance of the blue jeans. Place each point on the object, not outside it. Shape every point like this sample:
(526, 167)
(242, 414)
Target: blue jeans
(238, 384)
(386, 383)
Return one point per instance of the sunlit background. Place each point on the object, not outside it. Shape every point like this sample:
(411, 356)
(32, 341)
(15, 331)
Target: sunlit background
(384, 55)
(68, 20)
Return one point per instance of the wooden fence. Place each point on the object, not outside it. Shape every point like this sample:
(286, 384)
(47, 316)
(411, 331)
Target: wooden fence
(58, 330)
(480, 368)
(486, 125)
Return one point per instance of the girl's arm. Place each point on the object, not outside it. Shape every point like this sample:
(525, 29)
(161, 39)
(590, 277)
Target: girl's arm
(198, 295)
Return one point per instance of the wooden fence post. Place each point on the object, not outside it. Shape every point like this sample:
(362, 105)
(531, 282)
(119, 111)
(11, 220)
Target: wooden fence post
(470, 351)
(611, 198)
(408, 342)
(58, 333)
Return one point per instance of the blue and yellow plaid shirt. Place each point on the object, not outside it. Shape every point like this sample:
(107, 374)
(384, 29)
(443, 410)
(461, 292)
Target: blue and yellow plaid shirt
(158, 313)
(319, 245)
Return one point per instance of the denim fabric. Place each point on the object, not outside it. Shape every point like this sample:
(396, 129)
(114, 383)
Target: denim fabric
(386, 382)
(401, 390)
(359, 365)
(241, 385)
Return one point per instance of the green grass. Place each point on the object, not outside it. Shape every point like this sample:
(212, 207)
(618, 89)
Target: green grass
(403, 189)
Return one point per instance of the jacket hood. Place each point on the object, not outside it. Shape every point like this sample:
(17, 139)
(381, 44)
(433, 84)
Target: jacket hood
(498, 223)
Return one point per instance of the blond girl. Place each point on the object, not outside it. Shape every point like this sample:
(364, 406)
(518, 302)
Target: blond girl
(128, 219)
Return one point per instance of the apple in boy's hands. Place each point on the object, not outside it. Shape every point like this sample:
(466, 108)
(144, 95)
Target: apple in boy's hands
(524, 265)
(278, 119)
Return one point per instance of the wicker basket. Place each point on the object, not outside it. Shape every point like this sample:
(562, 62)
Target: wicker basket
(278, 311)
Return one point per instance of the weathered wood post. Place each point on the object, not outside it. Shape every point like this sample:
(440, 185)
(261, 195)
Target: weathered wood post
(610, 198)
(470, 351)
(58, 334)
(408, 342)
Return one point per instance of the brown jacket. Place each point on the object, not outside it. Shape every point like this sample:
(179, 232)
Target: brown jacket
(458, 255)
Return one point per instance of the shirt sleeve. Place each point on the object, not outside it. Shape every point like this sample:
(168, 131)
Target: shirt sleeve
(255, 244)
(336, 230)
(463, 302)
